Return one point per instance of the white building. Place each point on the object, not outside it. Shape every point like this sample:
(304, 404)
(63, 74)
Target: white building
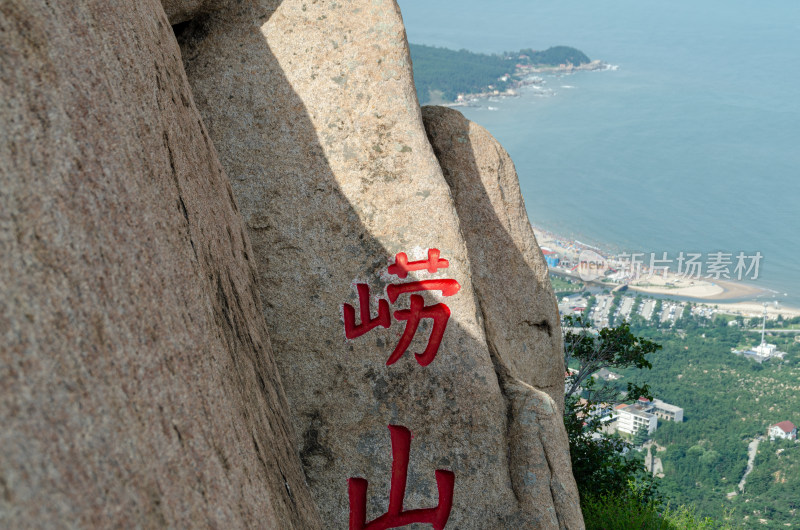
(606, 375)
(631, 418)
(668, 412)
(784, 429)
(763, 351)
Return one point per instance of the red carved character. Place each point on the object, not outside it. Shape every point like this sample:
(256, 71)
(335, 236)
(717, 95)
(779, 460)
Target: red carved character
(401, 265)
(439, 313)
(396, 516)
(352, 331)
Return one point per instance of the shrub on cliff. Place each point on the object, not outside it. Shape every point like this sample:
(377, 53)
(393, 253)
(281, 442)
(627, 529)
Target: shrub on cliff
(609, 512)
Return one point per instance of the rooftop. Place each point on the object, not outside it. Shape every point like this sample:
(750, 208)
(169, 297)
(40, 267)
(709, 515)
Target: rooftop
(666, 406)
(785, 426)
(636, 410)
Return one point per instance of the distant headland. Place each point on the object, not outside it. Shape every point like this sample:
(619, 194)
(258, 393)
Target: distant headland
(444, 76)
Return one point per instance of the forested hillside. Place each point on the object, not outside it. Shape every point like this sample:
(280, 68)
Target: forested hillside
(728, 401)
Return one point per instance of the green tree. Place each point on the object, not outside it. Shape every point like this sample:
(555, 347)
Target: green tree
(655, 318)
(640, 437)
(614, 347)
(603, 465)
(590, 303)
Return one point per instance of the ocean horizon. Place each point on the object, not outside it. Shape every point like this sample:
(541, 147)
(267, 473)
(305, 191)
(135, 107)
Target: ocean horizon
(689, 146)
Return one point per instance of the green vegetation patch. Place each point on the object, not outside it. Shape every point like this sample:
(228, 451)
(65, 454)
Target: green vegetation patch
(728, 400)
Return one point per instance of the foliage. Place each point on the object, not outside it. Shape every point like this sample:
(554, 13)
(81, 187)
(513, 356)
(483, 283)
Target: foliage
(614, 347)
(603, 464)
(608, 512)
(563, 286)
(452, 72)
(728, 401)
(774, 484)
(555, 56)
(611, 512)
(612, 311)
(640, 437)
(590, 303)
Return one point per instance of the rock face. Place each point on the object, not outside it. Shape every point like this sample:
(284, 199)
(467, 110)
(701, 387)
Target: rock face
(508, 268)
(520, 311)
(137, 385)
(312, 108)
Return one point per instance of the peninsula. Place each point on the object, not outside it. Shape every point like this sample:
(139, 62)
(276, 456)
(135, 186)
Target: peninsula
(444, 76)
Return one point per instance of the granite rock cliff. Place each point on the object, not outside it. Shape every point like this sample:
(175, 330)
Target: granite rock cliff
(313, 110)
(186, 233)
(137, 382)
(519, 308)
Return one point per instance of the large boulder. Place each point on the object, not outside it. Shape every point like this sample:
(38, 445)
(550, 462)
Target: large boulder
(508, 268)
(137, 384)
(312, 108)
(518, 306)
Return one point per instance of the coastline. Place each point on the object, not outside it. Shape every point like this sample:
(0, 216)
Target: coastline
(727, 296)
(756, 309)
(527, 78)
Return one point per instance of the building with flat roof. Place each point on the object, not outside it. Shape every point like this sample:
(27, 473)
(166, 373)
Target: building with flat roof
(665, 411)
(550, 257)
(631, 418)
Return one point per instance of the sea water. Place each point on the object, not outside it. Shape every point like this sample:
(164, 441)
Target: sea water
(692, 144)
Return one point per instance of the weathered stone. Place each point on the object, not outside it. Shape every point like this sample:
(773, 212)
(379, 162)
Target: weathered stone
(137, 385)
(520, 311)
(539, 459)
(312, 108)
(508, 269)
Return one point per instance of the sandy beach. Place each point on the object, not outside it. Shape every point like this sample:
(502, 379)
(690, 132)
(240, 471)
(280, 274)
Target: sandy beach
(671, 285)
(707, 289)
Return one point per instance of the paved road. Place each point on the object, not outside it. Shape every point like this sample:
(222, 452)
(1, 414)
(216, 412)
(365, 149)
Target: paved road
(752, 449)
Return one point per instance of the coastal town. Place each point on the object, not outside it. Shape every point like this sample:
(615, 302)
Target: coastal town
(604, 289)
(713, 283)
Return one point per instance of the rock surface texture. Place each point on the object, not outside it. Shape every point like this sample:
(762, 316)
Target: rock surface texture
(312, 108)
(519, 308)
(508, 268)
(137, 385)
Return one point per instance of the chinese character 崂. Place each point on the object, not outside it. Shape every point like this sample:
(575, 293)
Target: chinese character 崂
(439, 313)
